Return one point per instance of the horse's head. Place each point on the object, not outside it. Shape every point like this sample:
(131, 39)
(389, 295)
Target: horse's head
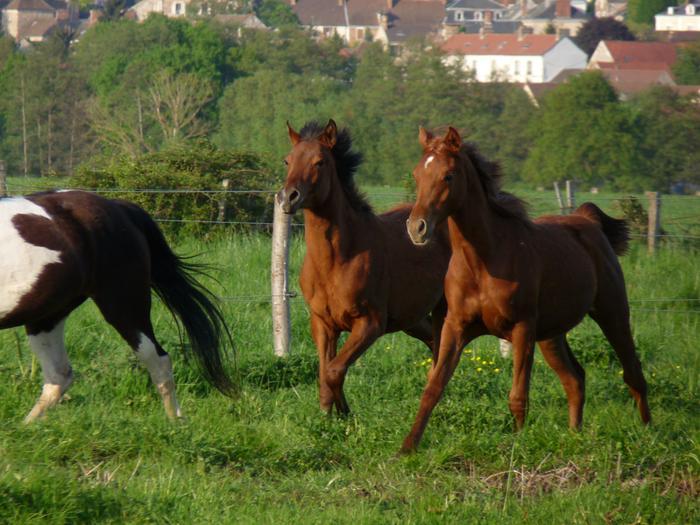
(310, 164)
(440, 183)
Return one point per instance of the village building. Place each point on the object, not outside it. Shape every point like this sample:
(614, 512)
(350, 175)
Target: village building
(684, 17)
(515, 57)
(648, 56)
(32, 21)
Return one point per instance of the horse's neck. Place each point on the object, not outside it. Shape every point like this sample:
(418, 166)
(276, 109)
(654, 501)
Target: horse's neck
(329, 227)
(473, 230)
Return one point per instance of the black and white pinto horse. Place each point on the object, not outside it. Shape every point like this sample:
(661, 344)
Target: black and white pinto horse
(59, 248)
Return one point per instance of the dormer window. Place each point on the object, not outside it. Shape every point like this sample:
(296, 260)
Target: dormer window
(690, 9)
(459, 15)
(478, 15)
(670, 10)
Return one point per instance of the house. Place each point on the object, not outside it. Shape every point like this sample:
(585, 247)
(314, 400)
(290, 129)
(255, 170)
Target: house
(515, 57)
(170, 8)
(558, 16)
(617, 54)
(390, 22)
(473, 16)
(684, 17)
(31, 21)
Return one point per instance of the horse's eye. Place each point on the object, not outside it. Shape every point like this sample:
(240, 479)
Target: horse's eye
(319, 163)
(286, 162)
(448, 177)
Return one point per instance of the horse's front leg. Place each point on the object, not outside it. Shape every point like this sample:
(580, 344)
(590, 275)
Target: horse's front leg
(326, 339)
(523, 340)
(365, 331)
(455, 334)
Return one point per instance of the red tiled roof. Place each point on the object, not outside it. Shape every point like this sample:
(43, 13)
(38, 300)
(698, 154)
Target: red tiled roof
(499, 44)
(29, 5)
(625, 52)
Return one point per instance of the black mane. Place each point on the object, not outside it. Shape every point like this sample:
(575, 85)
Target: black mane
(346, 163)
(491, 177)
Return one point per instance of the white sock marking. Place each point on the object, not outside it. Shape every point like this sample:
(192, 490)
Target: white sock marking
(21, 263)
(161, 370)
(49, 349)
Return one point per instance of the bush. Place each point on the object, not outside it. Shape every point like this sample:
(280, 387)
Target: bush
(176, 185)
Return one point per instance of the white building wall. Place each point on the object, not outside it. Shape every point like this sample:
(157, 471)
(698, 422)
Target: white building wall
(677, 23)
(564, 55)
(520, 68)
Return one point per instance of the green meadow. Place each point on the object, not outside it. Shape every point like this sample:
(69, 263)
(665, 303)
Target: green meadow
(107, 453)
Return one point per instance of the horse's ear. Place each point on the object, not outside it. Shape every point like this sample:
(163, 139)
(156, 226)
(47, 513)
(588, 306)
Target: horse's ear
(452, 139)
(293, 135)
(330, 134)
(424, 137)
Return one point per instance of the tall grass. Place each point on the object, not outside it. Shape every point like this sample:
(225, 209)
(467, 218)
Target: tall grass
(108, 454)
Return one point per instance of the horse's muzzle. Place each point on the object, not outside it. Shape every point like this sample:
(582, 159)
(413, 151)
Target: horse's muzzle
(289, 199)
(419, 230)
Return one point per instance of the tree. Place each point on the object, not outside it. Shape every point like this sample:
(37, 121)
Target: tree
(670, 127)
(584, 133)
(687, 67)
(275, 13)
(597, 29)
(643, 11)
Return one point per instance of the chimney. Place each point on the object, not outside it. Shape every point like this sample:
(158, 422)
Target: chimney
(482, 32)
(62, 14)
(488, 21)
(563, 9)
(523, 7)
(292, 2)
(340, 2)
(520, 32)
(390, 4)
(383, 19)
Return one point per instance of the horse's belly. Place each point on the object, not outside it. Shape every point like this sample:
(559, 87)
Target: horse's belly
(21, 263)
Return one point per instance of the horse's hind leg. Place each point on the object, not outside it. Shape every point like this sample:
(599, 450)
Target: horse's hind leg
(559, 357)
(616, 327)
(129, 313)
(424, 332)
(48, 347)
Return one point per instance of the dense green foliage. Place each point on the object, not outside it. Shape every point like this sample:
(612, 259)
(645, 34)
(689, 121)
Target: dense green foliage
(127, 89)
(686, 70)
(597, 29)
(643, 11)
(191, 174)
(109, 455)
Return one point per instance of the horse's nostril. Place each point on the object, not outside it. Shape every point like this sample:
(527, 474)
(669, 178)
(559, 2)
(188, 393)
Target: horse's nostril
(422, 226)
(294, 196)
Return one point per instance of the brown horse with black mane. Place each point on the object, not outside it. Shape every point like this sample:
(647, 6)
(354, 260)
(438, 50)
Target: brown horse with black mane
(521, 280)
(361, 273)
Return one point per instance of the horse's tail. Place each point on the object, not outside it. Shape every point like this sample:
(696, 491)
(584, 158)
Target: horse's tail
(616, 230)
(172, 278)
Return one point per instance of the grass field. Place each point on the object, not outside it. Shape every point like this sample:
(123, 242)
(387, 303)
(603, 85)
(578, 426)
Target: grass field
(108, 454)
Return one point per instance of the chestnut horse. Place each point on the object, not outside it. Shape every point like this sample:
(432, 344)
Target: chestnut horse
(521, 280)
(58, 249)
(361, 272)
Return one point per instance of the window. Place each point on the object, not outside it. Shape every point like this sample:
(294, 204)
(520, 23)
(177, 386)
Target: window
(690, 9)
(177, 8)
(529, 67)
(516, 68)
(459, 15)
(478, 15)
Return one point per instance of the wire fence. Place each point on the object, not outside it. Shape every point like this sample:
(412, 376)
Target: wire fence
(390, 197)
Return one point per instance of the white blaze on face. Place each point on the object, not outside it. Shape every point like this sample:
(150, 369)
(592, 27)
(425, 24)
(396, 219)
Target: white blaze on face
(21, 263)
(428, 161)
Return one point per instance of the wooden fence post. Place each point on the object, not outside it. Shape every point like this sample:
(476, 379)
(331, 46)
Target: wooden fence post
(222, 201)
(3, 179)
(570, 197)
(505, 348)
(280, 294)
(557, 192)
(654, 229)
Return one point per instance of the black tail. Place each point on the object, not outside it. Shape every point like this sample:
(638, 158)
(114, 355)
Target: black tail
(172, 278)
(616, 230)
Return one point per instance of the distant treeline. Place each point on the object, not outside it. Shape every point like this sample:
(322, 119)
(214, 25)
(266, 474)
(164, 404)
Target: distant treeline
(127, 89)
